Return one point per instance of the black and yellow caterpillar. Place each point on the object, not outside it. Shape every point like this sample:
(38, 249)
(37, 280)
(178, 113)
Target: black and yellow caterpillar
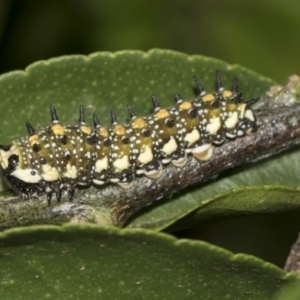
(61, 156)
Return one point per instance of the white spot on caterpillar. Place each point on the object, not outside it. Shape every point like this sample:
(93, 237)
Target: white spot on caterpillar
(170, 147)
(101, 164)
(27, 175)
(192, 137)
(88, 155)
(49, 173)
(214, 125)
(249, 115)
(121, 163)
(71, 171)
(231, 121)
(146, 155)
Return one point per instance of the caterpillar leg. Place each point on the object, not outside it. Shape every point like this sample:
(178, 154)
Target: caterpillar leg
(154, 170)
(203, 152)
(180, 162)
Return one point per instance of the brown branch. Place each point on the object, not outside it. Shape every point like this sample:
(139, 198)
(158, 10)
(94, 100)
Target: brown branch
(293, 261)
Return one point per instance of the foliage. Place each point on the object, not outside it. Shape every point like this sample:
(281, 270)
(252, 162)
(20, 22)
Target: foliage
(108, 262)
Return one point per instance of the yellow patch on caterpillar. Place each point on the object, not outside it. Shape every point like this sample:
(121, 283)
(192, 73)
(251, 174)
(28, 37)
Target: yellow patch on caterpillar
(162, 114)
(86, 129)
(208, 98)
(138, 123)
(103, 132)
(34, 139)
(231, 107)
(185, 105)
(58, 129)
(119, 130)
(227, 94)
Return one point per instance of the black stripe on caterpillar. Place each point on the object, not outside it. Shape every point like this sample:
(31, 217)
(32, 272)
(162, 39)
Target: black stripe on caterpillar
(61, 156)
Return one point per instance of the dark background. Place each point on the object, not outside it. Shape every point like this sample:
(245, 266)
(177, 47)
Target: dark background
(260, 35)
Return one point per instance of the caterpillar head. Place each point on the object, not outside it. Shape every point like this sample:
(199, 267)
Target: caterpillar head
(10, 162)
(9, 159)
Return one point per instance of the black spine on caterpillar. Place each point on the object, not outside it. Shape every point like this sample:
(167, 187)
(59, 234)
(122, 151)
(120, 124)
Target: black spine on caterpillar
(61, 157)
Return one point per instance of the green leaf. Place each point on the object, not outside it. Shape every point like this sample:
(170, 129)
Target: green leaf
(264, 187)
(237, 203)
(293, 293)
(72, 262)
(103, 81)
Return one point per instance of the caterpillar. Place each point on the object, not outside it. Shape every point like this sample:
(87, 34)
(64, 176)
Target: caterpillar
(61, 157)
